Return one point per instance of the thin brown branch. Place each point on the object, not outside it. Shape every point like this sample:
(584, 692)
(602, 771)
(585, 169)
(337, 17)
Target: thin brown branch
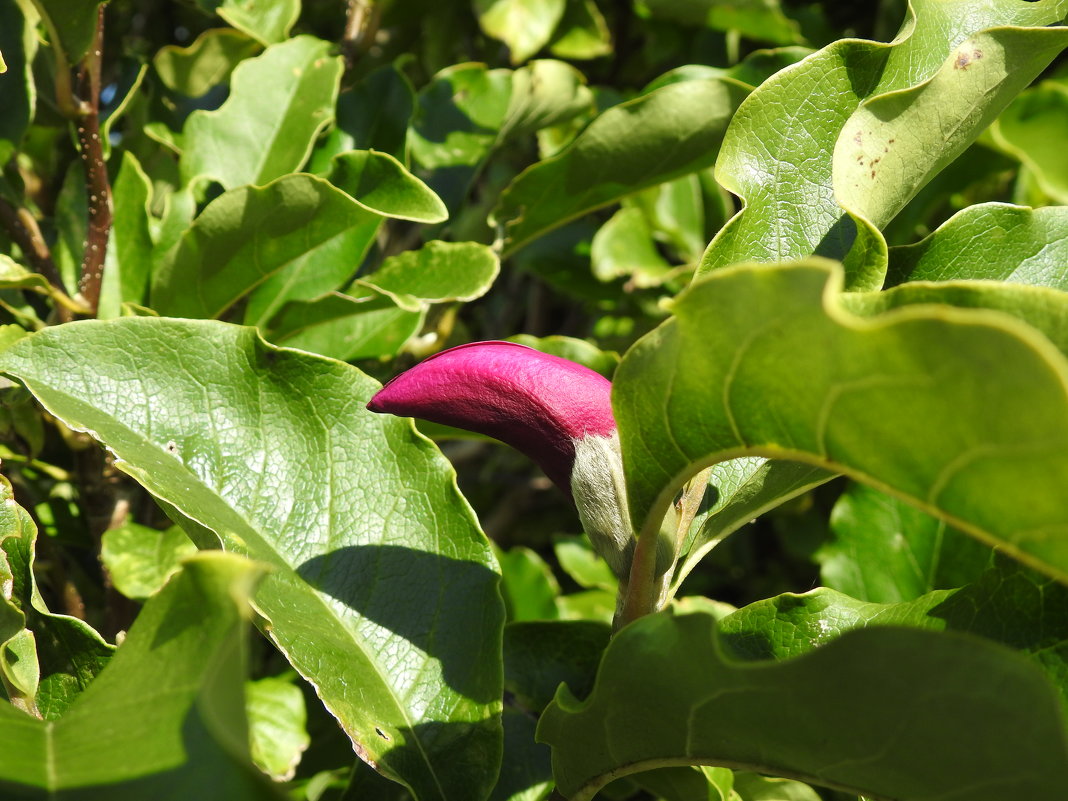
(24, 231)
(91, 150)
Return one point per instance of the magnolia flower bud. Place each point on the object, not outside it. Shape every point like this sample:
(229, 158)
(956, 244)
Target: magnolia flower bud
(555, 411)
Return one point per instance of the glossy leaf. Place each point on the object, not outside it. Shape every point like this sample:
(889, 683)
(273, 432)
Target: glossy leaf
(689, 703)
(529, 587)
(624, 248)
(866, 125)
(765, 361)
(161, 721)
(278, 104)
(990, 241)
(524, 25)
(277, 726)
(667, 133)
(140, 559)
(1030, 130)
(207, 62)
(269, 452)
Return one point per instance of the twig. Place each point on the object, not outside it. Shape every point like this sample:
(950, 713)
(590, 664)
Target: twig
(91, 151)
(361, 25)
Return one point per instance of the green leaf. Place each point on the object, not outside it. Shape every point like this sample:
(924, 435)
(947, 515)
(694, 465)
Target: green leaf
(277, 726)
(373, 115)
(624, 248)
(862, 126)
(380, 183)
(762, 20)
(18, 42)
(1030, 129)
(165, 719)
(886, 551)
(278, 104)
(207, 62)
(990, 241)
(129, 255)
(268, 22)
(672, 697)
(754, 787)
(765, 361)
(1043, 309)
(71, 23)
(1006, 604)
(69, 652)
(297, 223)
(346, 328)
(376, 183)
(582, 32)
(468, 109)
(675, 214)
(524, 25)
(458, 114)
(528, 587)
(140, 559)
(438, 272)
(665, 134)
(582, 563)
(270, 453)
(687, 784)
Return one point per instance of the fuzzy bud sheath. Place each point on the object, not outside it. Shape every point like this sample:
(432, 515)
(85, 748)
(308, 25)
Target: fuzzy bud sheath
(556, 412)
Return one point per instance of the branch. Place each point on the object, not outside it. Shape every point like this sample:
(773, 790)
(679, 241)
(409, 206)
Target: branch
(91, 150)
(23, 228)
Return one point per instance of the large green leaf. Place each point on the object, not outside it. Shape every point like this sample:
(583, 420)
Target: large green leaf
(992, 241)
(165, 719)
(887, 713)
(862, 126)
(207, 62)
(278, 103)
(1006, 604)
(382, 590)
(524, 25)
(662, 135)
(277, 719)
(766, 361)
(437, 272)
(1031, 130)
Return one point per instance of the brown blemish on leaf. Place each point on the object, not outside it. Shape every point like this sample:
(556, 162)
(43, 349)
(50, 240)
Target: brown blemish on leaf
(964, 60)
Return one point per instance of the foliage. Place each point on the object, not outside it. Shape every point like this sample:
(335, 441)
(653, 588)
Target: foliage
(818, 247)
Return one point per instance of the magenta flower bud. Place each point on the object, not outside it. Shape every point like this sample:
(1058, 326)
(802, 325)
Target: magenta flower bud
(555, 411)
(537, 403)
